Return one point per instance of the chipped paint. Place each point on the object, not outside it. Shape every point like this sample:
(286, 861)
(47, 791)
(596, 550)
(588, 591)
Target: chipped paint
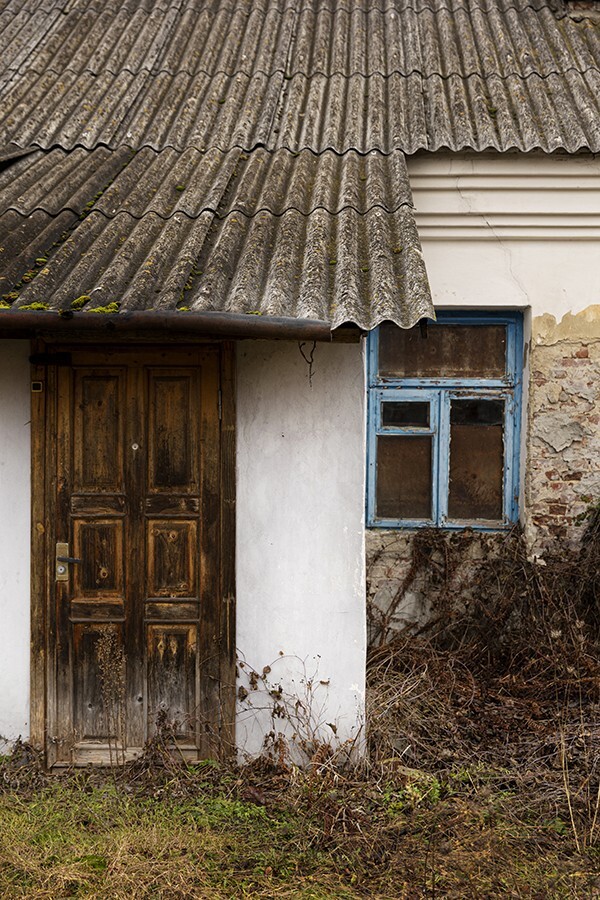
(563, 446)
(583, 326)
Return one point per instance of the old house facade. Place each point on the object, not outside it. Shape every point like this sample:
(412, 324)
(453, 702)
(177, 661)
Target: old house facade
(226, 230)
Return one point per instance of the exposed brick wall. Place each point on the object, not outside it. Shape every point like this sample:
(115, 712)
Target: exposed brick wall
(388, 563)
(563, 467)
(397, 596)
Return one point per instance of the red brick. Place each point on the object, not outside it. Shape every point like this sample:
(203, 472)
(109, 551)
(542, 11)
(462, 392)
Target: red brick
(567, 362)
(557, 509)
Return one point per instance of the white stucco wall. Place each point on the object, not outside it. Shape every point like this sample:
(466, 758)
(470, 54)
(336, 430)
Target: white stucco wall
(510, 230)
(14, 539)
(300, 541)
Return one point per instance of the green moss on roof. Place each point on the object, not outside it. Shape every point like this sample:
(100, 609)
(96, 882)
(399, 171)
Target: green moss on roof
(109, 308)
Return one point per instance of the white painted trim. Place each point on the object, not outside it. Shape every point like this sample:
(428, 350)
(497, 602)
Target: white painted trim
(490, 228)
(464, 197)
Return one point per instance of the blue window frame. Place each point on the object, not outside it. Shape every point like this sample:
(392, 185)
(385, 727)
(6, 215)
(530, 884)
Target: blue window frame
(443, 445)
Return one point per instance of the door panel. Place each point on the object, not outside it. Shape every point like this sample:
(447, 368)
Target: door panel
(172, 676)
(173, 439)
(172, 558)
(98, 656)
(135, 632)
(98, 447)
(100, 546)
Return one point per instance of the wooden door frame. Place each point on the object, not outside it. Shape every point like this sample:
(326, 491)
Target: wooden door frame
(43, 466)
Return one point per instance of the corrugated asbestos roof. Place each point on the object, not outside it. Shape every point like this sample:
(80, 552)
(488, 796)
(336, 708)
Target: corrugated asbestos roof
(410, 74)
(276, 234)
(267, 265)
(324, 38)
(247, 155)
(192, 182)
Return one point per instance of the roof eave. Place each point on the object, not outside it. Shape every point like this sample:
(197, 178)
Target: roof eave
(167, 326)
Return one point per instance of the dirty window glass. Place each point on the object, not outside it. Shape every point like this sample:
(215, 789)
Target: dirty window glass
(405, 414)
(404, 476)
(476, 459)
(452, 351)
(444, 422)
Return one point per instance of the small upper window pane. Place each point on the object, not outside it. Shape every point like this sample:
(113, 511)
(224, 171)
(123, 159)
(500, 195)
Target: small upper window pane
(447, 351)
(405, 414)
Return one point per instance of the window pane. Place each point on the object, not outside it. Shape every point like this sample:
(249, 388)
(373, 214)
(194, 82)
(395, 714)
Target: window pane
(404, 477)
(406, 414)
(448, 351)
(476, 459)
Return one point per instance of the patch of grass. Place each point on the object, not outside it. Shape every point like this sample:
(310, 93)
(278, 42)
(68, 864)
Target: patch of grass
(81, 840)
(263, 831)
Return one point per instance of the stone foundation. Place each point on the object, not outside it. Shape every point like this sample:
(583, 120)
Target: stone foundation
(398, 578)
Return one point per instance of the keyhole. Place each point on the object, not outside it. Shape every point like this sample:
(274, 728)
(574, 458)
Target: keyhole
(102, 574)
(135, 446)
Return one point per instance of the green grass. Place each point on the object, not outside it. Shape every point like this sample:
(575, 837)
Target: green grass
(67, 842)
(312, 836)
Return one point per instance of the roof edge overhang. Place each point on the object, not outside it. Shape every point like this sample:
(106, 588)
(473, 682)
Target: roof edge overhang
(158, 326)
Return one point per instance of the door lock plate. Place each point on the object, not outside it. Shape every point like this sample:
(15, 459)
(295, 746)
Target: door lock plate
(62, 568)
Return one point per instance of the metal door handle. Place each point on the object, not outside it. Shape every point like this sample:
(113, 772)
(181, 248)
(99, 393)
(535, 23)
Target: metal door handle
(61, 561)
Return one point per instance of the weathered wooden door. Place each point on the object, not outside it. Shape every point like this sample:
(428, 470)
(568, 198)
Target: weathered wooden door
(135, 630)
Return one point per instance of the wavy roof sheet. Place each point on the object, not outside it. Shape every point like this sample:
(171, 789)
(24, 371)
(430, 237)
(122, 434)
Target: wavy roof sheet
(325, 38)
(278, 234)
(247, 155)
(409, 74)
(265, 264)
(192, 182)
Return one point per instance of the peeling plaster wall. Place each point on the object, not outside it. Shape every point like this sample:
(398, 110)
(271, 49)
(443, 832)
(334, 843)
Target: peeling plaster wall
(563, 475)
(519, 232)
(15, 481)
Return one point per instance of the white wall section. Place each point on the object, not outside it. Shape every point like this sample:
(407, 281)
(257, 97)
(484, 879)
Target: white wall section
(15, 493)
(510, 230)
(300, 544)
